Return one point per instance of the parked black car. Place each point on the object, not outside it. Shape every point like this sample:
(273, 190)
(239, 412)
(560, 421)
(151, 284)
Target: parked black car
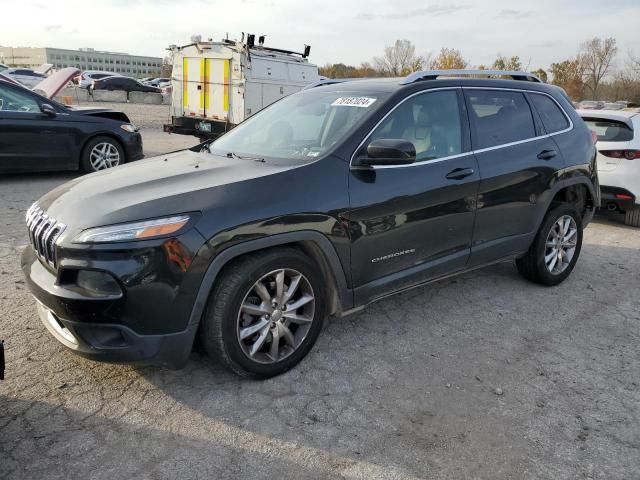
(39, 134)
(327, 200)
(127, 84)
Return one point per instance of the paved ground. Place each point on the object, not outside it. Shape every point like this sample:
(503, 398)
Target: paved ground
(482, 376)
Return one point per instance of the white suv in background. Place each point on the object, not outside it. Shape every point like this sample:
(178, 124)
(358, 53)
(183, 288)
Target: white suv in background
(618, 159)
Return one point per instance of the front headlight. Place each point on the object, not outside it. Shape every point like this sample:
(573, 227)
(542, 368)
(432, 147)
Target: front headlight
(125, 232)
(129, 127)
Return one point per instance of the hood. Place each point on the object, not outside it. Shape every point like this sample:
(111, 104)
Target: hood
(176, 183)
(101, 112)
(51, 86)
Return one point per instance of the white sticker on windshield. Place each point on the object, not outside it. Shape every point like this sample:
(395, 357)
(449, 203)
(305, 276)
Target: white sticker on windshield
(353, 102)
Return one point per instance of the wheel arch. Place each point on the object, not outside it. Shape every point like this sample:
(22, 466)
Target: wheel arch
(579, 191)
(314, 244)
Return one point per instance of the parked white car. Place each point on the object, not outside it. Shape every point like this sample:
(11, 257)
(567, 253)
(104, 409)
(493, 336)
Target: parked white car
(25, 76)
(3, 67)
(618, 159)
(88, 76)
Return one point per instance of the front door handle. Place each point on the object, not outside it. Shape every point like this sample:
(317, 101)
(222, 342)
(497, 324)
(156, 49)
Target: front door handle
(547, 154)
(459, 173)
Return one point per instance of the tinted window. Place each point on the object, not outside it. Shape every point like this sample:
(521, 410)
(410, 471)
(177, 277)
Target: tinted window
(15, 101)
(430, 121)
(552, 117)
(500, 117)
(609, 130)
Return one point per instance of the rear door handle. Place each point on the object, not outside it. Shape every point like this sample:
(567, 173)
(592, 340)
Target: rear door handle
(459, 173)
(547, 154)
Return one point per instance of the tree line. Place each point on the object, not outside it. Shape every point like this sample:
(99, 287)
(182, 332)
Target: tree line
(590, 74)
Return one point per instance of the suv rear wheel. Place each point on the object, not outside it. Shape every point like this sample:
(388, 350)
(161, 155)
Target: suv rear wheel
(632, 217)
(556, 248)
(265, 312)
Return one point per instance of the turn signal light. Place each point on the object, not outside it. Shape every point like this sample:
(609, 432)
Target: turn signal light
(157, 230)
(628, 154)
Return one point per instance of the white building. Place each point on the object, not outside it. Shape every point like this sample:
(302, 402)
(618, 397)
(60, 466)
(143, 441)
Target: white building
(84, 59)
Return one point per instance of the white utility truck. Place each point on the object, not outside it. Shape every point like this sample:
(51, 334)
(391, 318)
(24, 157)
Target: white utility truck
(216, 85)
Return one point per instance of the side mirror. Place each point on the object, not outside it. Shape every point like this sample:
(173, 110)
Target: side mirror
(48, 110)
(388, 151)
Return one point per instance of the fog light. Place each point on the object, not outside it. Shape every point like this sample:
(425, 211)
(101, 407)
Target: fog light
(100, 284)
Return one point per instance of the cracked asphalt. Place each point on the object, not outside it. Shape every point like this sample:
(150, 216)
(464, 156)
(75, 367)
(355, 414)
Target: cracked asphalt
(481, 376)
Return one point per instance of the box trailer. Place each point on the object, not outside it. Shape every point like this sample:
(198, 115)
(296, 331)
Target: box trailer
(216, 85)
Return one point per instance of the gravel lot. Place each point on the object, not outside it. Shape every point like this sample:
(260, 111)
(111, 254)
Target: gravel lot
(144, 116)
(481, 376)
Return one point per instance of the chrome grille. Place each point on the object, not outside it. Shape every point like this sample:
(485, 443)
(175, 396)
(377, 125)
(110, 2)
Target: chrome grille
(43, 233)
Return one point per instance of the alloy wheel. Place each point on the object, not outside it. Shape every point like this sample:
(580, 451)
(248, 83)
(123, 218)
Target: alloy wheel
(561, 245)
(275, 316)
(104, 155)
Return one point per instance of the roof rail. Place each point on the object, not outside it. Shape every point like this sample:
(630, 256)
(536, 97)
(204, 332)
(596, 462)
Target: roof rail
(332, 81)
(433, 74)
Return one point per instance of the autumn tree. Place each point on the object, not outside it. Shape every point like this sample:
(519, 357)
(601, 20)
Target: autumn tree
(504, 63)
(596, 56)
(167, 66)
(399, 59)
(634, 63)
(541, 74)
(340, 70)
(568, 75)
(449, 59)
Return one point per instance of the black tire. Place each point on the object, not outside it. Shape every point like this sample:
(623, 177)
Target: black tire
(632, 217)
(85, 160)
(219, 330)
(532, 265)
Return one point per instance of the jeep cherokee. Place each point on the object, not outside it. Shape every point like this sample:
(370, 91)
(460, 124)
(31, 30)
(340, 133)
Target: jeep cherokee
(318, 205)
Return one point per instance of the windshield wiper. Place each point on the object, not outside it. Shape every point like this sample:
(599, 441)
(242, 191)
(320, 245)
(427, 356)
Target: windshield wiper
(244, 157)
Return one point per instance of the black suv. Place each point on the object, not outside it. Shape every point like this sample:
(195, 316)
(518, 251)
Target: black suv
(329, 199)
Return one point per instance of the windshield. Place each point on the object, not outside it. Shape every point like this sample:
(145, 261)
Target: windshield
(302, 126)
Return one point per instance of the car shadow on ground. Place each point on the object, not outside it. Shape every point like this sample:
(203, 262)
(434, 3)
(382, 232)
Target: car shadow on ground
(67, 443)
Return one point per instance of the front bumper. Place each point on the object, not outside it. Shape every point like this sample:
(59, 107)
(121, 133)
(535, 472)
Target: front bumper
(133, 147)
(117, 343)
(110, 329)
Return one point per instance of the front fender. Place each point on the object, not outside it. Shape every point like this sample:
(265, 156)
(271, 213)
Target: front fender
(227, 254)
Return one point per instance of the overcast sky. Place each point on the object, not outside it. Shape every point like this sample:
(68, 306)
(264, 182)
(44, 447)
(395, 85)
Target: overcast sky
(345, 31)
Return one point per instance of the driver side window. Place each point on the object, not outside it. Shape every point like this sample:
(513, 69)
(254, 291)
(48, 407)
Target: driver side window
(431, 121)
(12, 100)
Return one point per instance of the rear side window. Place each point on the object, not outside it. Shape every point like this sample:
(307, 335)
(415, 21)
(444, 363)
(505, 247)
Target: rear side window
(609, 130)
(552, 117)
(500, 117)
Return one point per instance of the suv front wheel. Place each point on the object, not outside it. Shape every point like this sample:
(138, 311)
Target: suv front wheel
(265, 312)
(555, 249)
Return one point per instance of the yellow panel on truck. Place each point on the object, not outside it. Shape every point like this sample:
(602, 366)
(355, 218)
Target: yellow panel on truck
(206, 86)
